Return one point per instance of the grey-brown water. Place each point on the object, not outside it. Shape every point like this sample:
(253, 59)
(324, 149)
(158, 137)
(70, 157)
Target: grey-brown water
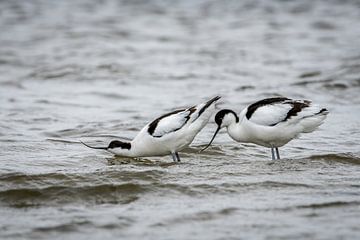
(95, 70)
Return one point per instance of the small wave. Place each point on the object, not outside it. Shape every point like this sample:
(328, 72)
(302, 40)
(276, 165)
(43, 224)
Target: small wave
(341, 158)
(244, 88)
(22, 190)
(104, 193)
(66, 227)
(356, 83)
(124, 193)
(48, 73)
(310, 82)
(267, 185)
(114, 187)
(319, 205)
(20, 178)
(324, 25)
(35, 180)
(12, 84)
(202, 190)
(109, 95)
(75, 223)
(330, 204)
(60, 103)
(335, 86)
(310, 74)
(199, 216)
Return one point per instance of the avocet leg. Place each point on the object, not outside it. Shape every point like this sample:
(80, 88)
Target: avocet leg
(277, 153)
(177, 156)
(272, 154)
(173, 154)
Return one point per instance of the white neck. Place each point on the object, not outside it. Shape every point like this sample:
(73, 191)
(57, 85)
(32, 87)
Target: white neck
(237, 132)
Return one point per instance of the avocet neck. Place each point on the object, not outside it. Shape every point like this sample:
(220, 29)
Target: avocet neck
(243, 130)
(237, 132)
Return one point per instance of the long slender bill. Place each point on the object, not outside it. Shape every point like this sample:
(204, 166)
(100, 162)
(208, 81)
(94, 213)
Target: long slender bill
(217, 130)
(103, 148)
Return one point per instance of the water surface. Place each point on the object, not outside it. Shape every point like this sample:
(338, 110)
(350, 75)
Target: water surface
(97, 70)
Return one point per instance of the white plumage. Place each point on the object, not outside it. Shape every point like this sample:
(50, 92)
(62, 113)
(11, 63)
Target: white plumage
(167, 134)
(271, 122)
(172, 123)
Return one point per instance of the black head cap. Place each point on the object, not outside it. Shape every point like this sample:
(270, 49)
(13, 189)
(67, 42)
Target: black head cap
(119, 144)
(221, 114)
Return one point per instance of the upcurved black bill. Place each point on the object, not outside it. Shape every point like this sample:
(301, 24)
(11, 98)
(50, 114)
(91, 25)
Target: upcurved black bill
(217, 130)
(103, 148)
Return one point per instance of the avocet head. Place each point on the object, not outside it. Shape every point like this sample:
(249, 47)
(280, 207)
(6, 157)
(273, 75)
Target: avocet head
(223, 118)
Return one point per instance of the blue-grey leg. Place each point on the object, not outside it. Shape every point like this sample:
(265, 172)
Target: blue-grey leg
(277, 153)
(272, 154)
(177, 156)
(174, 156)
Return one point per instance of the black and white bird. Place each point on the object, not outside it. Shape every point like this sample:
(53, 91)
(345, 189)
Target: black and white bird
(167, 134)
(271, 122)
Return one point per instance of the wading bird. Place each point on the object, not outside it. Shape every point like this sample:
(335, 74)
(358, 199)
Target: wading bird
(271, 122)
(167, 134)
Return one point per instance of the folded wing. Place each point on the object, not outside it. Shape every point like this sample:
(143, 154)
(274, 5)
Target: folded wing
(277, 111)
(170, 122)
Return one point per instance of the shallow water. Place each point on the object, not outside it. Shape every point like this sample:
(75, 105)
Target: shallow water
(96, 70)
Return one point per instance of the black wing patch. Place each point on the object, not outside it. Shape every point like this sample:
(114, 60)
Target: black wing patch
(208, 104)
(297, 107)
(153, 125)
